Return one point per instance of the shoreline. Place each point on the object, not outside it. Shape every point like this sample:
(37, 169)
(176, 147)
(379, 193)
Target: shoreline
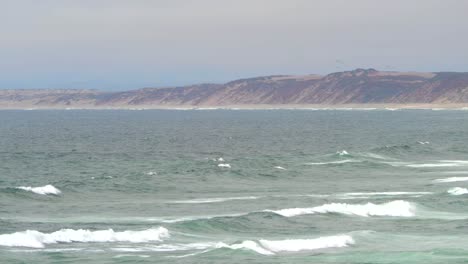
(390, 107)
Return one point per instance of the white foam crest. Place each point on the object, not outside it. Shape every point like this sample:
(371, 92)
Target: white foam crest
(435, 165)
(398, 208)
(457, 191)
(280, 168)
(342, 153)
(220, 159)
(44, 190)
(384, 193)
(167, 247)
(224, 165)
(423, 142)
(214, 200)
(131, 256)
(247, 244)
(333, 162)
(151, 173)
(36, 239)
(294, 245)
(450, 179)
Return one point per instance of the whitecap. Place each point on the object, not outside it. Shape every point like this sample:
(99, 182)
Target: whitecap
(457, 191)
(333, 162)
(131, 255)
(342, 153)
(294, 245)
(220, 159)
(395, 208)
(280, 168)
(36, 239)
(44, 190)
(434, 165)
(384, 193)
(247, 244)
(151, 173)
(214, 200)
(224, 165)
(450, 179)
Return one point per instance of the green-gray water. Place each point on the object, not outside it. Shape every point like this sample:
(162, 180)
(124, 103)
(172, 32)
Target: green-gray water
(358, 186)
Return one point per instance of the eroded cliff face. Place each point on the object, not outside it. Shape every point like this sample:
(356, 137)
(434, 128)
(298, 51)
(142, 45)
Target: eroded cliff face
(361, 86)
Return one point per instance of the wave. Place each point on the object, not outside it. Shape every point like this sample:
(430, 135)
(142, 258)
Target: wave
(263, 247)
(342, 153)
(214, 200)
(44, 190)
(398, 208)
(353, 195)
(454, 172)
(457, 191)
(36, 239)
(434, 165)
(450, 179)
(280, 168)
(224, 165)
(293, 245)
(271, 247)
(333, 162)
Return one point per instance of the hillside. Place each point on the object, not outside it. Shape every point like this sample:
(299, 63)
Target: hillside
(360, 86)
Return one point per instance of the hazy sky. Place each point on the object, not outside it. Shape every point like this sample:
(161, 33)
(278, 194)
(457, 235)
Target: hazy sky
(115, 45)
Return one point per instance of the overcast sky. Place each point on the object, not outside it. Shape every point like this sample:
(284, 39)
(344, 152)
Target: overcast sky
(115, 45)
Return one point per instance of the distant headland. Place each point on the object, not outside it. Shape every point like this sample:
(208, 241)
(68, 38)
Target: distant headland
(358, 88)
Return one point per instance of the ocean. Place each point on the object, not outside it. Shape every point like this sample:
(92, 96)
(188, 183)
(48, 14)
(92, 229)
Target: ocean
(233, 186)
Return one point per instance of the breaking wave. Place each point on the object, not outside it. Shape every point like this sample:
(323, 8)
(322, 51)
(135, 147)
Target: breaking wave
(44, 190)
(398, 208)
(333, 162)
(450, 179)
(271, 247)
(457, 191)
(342, 153)
(263, 247)
(36, 239)
(214, 200)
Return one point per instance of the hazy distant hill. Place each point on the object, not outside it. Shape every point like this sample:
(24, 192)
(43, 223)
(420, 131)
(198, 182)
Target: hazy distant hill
(360, 86)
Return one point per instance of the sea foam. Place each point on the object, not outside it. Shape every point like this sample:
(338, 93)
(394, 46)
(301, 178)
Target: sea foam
(36, 239)
(214, 200)
(457, 191)
(450, 179)
(342, 153)
(224, 165)
(395, 208)
(271, 247)
(294, 245)
(44, 190)
(333, 162)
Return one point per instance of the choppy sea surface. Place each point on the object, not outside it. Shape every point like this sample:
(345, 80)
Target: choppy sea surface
(225, 186)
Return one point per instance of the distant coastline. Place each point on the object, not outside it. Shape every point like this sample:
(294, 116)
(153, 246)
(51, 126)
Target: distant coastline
(360, 88)
(363, 107)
